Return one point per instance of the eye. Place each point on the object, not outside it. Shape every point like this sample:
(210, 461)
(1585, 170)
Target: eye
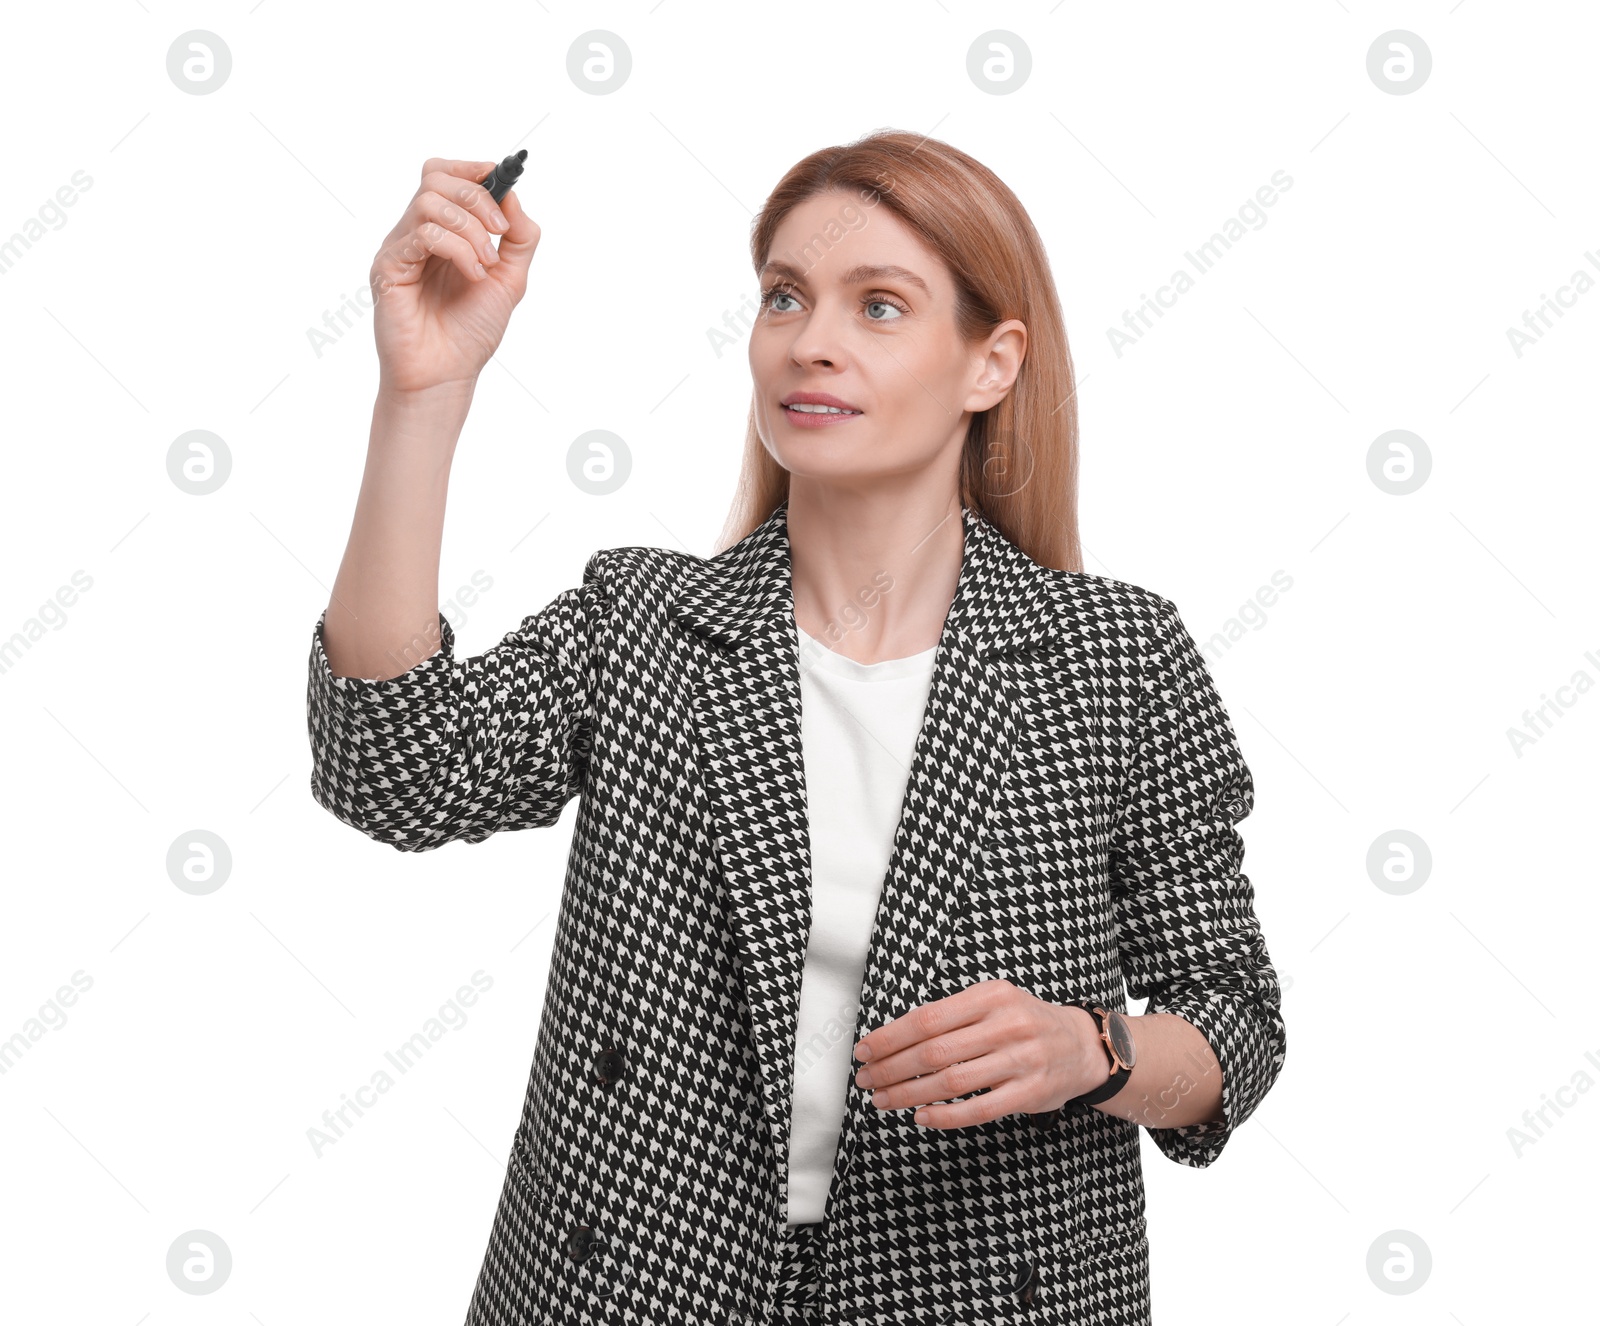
(776, 292)
(878, 299)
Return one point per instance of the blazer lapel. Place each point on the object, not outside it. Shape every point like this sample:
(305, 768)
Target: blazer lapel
(746, 712)
(745, 709)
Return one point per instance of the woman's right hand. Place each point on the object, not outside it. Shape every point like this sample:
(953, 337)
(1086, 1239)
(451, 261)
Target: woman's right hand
(436, 320)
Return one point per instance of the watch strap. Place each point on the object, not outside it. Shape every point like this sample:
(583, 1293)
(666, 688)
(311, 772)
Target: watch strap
(1119, 1075)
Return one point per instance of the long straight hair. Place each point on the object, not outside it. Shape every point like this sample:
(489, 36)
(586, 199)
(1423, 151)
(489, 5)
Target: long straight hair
(1019, 466)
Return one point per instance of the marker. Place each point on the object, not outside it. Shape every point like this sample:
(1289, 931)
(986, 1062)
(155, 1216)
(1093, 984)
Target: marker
(499, 180)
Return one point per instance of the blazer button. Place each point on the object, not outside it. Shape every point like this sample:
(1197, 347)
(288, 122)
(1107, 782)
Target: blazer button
(1046, 1120)
(1027, 1291)
(580, 1242)
(609, 1067)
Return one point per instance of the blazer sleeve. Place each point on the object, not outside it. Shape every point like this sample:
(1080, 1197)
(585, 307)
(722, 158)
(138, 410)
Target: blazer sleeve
(1187, 931)
(459, 748)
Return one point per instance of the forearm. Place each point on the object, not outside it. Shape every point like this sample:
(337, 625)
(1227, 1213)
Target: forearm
(1176, 1079)
(383, 617)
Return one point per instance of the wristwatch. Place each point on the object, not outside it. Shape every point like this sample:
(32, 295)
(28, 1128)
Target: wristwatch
(1117, 1038)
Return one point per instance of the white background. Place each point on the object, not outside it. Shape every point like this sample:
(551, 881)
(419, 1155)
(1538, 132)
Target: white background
(1229, 444)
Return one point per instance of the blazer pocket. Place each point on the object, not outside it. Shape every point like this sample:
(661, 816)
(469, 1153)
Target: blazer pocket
(1069, 1283)
(1107, 1242)
(608, 864)
(592, 1255)
(522, 1166)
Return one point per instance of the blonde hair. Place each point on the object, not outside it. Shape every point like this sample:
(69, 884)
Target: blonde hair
(1019, 468)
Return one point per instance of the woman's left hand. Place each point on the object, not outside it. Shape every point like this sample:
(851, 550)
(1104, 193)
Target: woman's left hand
(1033, 1056)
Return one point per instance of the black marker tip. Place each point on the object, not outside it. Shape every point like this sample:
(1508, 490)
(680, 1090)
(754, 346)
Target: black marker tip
(499, 180)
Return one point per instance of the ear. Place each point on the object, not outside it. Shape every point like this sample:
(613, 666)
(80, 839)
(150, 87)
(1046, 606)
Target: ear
(999, 360)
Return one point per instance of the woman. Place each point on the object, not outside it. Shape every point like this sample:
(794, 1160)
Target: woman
(884, 810)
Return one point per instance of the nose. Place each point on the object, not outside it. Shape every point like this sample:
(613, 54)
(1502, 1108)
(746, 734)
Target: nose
(818, 342)
(811, 349)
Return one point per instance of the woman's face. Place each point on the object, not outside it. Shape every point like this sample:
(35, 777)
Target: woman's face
(856, 308)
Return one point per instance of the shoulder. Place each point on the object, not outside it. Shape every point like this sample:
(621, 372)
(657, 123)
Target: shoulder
(635, 569)
(1125, 629)
(1088, 599)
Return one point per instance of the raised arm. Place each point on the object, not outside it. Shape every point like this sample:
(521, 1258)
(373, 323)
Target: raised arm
(410, 745)
(443, 297)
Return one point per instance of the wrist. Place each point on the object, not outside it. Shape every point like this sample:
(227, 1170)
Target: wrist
(1113, 1036)
(442, 399)
(426, 422)
(1091, 1045)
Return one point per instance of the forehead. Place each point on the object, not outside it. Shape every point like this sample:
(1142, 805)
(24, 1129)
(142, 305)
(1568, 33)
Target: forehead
(836, 237)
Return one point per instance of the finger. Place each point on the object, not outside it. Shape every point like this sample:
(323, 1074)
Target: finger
(448, 175)
(938, 1051)
(968, 1113)
(518, 244)
(431, 206)
(946, 1083)
(401, 262)
(927, 1020)
(467, 170)
(469, 195)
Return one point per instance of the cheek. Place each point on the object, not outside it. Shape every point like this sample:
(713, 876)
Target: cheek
(921, 396)
(764, 347)
(765, 369)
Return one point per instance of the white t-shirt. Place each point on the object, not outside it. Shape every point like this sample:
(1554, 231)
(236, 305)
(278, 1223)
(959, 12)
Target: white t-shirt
(858, 728)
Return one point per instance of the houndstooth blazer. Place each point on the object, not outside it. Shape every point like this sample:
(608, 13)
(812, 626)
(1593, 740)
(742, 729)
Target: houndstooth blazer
(1068, 825)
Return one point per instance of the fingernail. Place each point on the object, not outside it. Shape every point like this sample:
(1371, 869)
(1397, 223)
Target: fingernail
(499, 222)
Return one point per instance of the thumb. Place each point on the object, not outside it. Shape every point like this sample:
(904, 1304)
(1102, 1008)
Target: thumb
(519, 242)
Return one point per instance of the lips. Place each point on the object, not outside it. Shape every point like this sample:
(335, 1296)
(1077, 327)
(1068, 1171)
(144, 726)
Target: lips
(817, 398)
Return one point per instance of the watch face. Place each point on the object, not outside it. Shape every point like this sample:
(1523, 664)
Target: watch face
(1121, 1037)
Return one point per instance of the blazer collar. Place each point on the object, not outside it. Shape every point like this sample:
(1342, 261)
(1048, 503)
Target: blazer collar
(745, 707)
(1003, 599)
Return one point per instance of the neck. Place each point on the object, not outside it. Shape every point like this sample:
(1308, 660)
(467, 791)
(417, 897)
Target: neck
(873, 574)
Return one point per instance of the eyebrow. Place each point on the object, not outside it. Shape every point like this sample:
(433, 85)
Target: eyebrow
(855, 275)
